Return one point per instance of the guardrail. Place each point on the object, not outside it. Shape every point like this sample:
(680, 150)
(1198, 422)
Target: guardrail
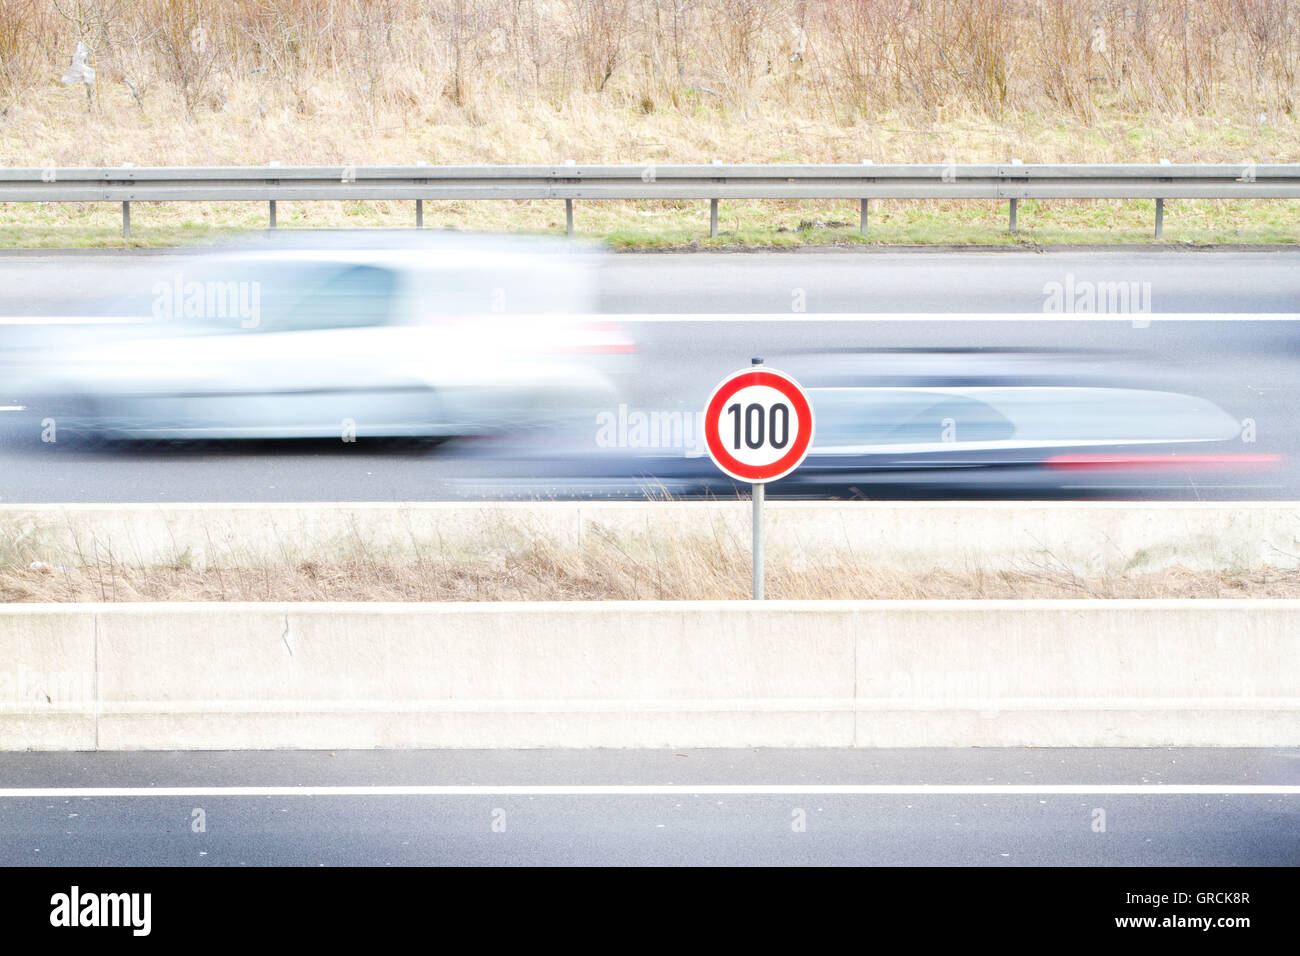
(570, 182)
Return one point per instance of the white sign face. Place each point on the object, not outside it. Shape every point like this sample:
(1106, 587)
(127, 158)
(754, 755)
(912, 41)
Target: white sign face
(758, 425)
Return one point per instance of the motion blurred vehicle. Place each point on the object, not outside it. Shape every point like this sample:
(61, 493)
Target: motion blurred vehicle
(969, 440)
(313, 337)
(1018, 438)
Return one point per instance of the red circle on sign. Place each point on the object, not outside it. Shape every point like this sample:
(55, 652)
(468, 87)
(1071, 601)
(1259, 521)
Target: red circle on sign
(745, 378)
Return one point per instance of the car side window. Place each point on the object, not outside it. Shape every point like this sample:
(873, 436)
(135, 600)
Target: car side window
(348, 297)
(847, 417)
(956, 419)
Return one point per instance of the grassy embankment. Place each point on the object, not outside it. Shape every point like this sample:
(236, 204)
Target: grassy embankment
(190, 82)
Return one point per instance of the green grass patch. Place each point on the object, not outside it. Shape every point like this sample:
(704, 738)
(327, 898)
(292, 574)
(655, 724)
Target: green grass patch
(676, 224)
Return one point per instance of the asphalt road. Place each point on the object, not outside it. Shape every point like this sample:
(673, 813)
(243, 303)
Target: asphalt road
(1182, 280)
(968, 807)
(1251, 368)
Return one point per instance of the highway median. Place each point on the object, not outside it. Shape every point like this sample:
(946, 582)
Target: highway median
(651, 674)
(622, 625)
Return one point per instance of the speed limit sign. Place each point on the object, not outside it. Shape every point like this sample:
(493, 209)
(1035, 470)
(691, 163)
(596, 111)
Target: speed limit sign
(758, 427)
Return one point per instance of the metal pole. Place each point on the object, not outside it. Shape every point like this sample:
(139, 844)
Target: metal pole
(862, 216)
(419, 214)
(1013, 215)
(272, 213)
(713, 218)
(758, 541)
(757, 525)
(568, 217)
(1160, 218)
(126, 220)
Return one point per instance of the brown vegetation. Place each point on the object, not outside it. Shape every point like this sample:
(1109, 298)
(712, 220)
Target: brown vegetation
(701, 571)
(310, 79)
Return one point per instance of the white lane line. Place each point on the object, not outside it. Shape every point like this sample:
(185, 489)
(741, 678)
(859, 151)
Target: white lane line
(1137, 318)
(75, 320)
(637, 790)
(1140, 318)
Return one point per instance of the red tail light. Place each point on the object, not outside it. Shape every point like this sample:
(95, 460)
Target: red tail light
(1223, 462)
(600, 338)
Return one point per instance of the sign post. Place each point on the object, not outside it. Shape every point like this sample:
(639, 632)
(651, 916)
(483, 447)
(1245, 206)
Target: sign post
(758, 427)
(756, 493)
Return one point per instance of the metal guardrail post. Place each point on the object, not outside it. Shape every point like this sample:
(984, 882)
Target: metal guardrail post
(568, 217)
(1013, 216)
(713, 218)
(1160, 217)
(419, 214)
(862, 216)
(126, 220)
(272, 213)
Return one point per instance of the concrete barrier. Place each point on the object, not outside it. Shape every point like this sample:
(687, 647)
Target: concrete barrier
(651, 674)
(1086, 538)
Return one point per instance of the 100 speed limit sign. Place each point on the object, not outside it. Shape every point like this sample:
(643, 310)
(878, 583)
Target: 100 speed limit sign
(758, 425)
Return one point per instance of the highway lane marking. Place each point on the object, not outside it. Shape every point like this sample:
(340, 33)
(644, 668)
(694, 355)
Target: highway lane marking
(1139, 318)
(75, 320)
(651, 790)
(640, 317)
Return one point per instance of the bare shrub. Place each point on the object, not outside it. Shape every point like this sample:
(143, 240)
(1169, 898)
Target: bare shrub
(21, 27)
(186, 47)
(394, 62)
(597, 33)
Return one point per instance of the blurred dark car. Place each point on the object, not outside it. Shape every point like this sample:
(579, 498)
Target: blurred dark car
(946, 441)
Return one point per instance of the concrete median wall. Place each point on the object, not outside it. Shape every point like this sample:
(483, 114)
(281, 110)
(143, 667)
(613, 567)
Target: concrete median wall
(1085, 538)
(651, 674)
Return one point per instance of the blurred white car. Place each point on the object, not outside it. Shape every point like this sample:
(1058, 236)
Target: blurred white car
(330, 336)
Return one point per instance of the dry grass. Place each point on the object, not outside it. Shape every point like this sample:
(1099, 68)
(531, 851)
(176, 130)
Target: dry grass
(338, 82)
(541, 574)
(190, 82)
